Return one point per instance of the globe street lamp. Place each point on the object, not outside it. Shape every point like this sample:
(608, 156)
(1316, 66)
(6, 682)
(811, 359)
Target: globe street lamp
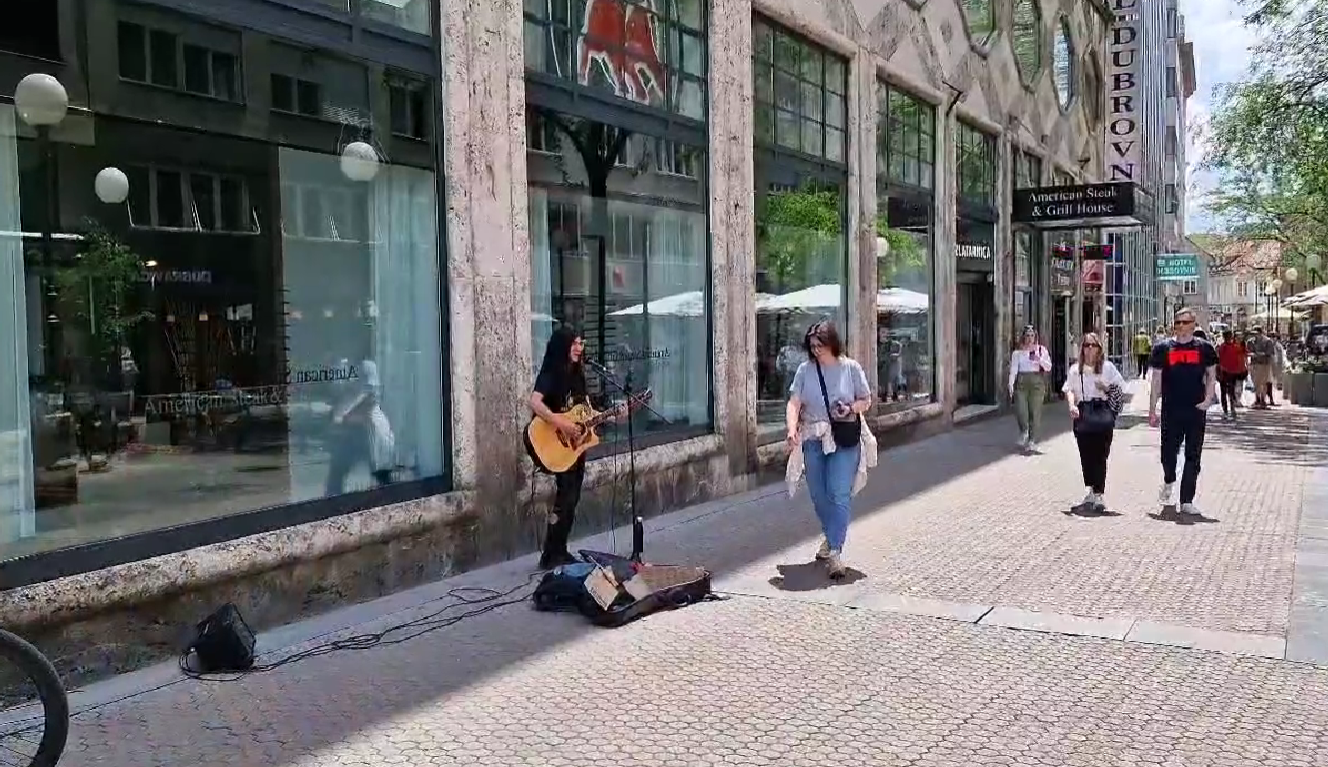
(42, 102)
(111, 186)
(359, 161)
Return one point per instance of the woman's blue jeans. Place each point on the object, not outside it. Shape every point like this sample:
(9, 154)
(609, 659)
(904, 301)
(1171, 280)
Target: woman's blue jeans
(830, 483)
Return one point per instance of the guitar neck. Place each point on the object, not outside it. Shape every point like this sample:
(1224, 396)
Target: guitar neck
(631, 402)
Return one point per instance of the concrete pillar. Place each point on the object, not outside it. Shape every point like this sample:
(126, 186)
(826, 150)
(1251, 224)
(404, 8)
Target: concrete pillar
(862, 212)
(943, 244)
(488, 249)
(733, 231)
(1003, 273)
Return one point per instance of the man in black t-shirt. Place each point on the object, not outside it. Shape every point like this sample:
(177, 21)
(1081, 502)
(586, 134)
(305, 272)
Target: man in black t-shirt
(1184, 369)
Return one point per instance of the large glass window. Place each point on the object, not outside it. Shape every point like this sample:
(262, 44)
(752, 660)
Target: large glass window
(800, 89)
(235, 303)
(977, 165)
(1027, 38)
(981, 18)
(1063, 61)
(905, 178)
(801, 204)
(1028, 268)
(619, 251)
(649, 51)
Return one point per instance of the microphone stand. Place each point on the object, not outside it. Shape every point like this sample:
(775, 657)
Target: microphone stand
(625, 387)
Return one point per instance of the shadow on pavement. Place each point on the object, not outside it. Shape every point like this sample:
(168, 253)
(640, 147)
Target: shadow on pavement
(811, 576)
(308, 702)
(1276, 435)
(1090, 512)
(1170, 513)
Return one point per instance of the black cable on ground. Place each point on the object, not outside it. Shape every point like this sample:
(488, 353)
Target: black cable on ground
(487, 601)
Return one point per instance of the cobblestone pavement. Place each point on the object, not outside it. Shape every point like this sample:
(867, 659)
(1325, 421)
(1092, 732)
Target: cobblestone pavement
(780, 680)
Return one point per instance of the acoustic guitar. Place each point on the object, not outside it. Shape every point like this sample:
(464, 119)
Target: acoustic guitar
(554, 453)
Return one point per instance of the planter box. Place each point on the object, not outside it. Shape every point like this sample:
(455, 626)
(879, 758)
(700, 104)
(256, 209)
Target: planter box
(1320, 391)
(1299, 388)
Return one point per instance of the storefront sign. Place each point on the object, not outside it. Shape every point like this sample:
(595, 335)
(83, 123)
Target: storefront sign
(1094, 276)
(1062, 275)
(1096, 252)
(1080, 205)
(1176, 267)
(978, 252)
(1123, 137)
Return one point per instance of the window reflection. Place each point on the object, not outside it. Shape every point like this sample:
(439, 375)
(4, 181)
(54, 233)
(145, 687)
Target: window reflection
(255, 322)
(618, 242)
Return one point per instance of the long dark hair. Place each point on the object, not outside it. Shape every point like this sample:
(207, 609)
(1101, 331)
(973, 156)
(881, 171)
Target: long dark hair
(558, 359)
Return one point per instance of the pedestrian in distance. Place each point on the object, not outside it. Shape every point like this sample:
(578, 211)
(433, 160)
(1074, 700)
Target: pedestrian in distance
(1184, 373)
(1095, 392)
(1029, 366)
(1143, 346)
(827, 438)
(1263, 351)
(1231, 372)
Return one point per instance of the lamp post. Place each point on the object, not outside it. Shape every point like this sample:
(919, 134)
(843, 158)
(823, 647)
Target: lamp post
(1269, 291)
(42, 102)
(1290, 276)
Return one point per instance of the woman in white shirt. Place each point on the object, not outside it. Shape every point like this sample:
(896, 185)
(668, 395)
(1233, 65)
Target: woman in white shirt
(1093, 377)
(1029, 365)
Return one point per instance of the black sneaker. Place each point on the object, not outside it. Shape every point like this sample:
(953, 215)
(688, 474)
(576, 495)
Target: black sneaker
(556, 559)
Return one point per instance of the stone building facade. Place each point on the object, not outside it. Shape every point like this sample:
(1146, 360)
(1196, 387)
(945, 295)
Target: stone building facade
(991, 95)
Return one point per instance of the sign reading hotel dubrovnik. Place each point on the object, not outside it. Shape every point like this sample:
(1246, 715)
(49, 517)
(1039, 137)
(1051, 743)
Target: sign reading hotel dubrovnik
(1123, 152)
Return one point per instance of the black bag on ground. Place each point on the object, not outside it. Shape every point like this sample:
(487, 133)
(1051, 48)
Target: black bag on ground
(630, 589)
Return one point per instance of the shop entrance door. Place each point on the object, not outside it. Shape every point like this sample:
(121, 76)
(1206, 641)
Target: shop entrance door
(976, 337)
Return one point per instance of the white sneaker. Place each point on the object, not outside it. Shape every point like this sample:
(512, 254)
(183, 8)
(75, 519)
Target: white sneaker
(1090, 499)
(1190, 509)
(823, 553)
(1033, 447)
(834, 565)
(1023, 440)
(1164, 495)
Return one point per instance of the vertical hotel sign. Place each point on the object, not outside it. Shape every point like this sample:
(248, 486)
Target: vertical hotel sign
(1124, 108)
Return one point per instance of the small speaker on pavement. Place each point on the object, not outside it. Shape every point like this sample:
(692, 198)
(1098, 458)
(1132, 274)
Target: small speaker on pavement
(223, 642)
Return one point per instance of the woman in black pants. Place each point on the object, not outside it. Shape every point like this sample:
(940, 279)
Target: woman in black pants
(1093, 377)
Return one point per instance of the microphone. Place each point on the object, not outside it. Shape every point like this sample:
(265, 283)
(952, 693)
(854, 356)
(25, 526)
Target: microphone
(595, 365)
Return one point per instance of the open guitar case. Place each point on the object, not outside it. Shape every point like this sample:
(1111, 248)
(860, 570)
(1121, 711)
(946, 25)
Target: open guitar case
(612, 591)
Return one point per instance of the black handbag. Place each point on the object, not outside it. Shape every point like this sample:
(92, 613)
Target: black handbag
(846, 433)
(1095, 415)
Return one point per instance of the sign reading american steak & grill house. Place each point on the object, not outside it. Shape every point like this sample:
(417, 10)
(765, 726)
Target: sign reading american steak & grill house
(1068, 203)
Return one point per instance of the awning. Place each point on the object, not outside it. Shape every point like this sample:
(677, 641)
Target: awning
(1118, 205)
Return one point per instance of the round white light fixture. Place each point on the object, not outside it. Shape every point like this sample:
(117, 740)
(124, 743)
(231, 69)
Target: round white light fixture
(882, 247)
(41, 100)
(359, 161)
(1276, 284)
(111, 185)
(1291, 274)
(1313, 261)
(1269, 290)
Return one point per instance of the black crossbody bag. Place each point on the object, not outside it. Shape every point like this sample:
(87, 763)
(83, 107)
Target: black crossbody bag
(846, 433)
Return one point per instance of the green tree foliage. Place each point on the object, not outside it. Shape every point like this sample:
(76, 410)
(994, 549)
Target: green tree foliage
(792, 228)
(1269, 132)
(98, 289)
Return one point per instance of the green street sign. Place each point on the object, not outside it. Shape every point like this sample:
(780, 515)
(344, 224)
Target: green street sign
(1177, 267)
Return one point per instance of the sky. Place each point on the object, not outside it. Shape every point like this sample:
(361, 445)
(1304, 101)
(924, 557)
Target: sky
(1221, 55)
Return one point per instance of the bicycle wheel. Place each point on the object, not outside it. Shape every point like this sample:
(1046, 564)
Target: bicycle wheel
(32, 698)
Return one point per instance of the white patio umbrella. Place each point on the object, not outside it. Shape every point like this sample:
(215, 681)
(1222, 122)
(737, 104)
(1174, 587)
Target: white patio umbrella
(805, 300)
(901, 301)
(1315, 297)
(1280, 314)
(690, 303)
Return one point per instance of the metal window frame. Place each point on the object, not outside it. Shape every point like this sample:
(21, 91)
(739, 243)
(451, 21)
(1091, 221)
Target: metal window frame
(550, 83)
(365, 40)
(566, 96)
(968, 138)
(926, 126)
(823, 87)
(926, 198)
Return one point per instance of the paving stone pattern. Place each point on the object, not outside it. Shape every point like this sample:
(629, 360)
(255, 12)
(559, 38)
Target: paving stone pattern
(785, 681)
(747, 681)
